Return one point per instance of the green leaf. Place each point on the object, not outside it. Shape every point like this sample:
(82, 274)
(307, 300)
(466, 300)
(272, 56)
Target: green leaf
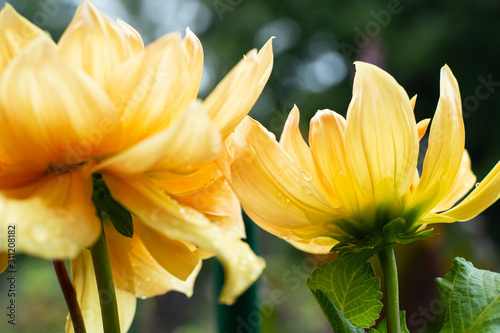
(337, 320)
(105, 204)
(382, 326)
(352, 288)
(119, 216)
(471, 297)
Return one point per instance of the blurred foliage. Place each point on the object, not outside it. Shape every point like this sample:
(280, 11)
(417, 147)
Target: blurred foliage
(315, 45)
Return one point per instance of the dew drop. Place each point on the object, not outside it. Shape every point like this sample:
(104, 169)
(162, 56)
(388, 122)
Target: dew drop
(306, 175)
(143, 297)
(477, 184)
(307, 190)
(182, 210)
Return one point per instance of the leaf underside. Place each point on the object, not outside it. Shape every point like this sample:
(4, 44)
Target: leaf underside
(471, 297)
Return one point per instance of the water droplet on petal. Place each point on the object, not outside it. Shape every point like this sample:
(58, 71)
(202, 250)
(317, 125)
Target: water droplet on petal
(182, 211)
(477, 184)
(306, 175)
(143, 297)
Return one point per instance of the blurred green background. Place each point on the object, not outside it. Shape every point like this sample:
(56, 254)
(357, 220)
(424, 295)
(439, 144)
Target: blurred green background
(316, 43)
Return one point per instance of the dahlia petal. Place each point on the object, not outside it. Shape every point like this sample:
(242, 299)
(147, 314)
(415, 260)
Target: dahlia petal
(446, 146)
(189, 140)
(54, 120)
(161, 213)
(94, 43)
(15, 33)
(84, 282)
(381, 134)
(235, 95)
(54, 217)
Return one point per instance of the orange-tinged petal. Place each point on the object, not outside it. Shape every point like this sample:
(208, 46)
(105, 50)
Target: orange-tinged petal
(446, 146)
(15, 33)
(483, 196)
(189, 140)
(163, 214)
(134, 36)
(94, 43)
(84, 282)
(327, 139)
(142, 272)
(464, 181)
(381, 136)
(218, 202)
(422, 127)
(272, 188)
(21, 174)
(150, 86)
(187, 182)
(54, 217)
(235, 95)
(53, 120)
(174, 256)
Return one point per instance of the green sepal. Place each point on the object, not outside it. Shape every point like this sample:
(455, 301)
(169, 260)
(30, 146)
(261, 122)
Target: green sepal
(351, 287)
(394, 231)
(471, 298)
(105, 204)
(382, 326)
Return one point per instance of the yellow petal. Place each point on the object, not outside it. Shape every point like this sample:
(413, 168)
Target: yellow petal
(483, 196)
(189, 140)
(161, 213)
(94, 43)
(293, 143)
(413, 101)
(218, 202)
(52, 111)
(151, 86)
(272, 188)
(134, 36)
(147, 273)
(235, 95)
(464, 181)
(446, 146)
(54, 217)
(193, 56)
(321, 245)
(84, 282)
(15, 33)
(381, 136)
(326, 136)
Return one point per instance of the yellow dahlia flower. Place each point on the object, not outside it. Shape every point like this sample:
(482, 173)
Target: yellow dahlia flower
(360, 173)
(99, 102)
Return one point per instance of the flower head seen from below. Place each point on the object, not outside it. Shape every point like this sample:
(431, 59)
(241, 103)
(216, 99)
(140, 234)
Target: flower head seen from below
(100, 108)
(357, 183)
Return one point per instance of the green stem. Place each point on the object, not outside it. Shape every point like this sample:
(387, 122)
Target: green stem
(70, 296)
(105, 285)
(388, 263)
